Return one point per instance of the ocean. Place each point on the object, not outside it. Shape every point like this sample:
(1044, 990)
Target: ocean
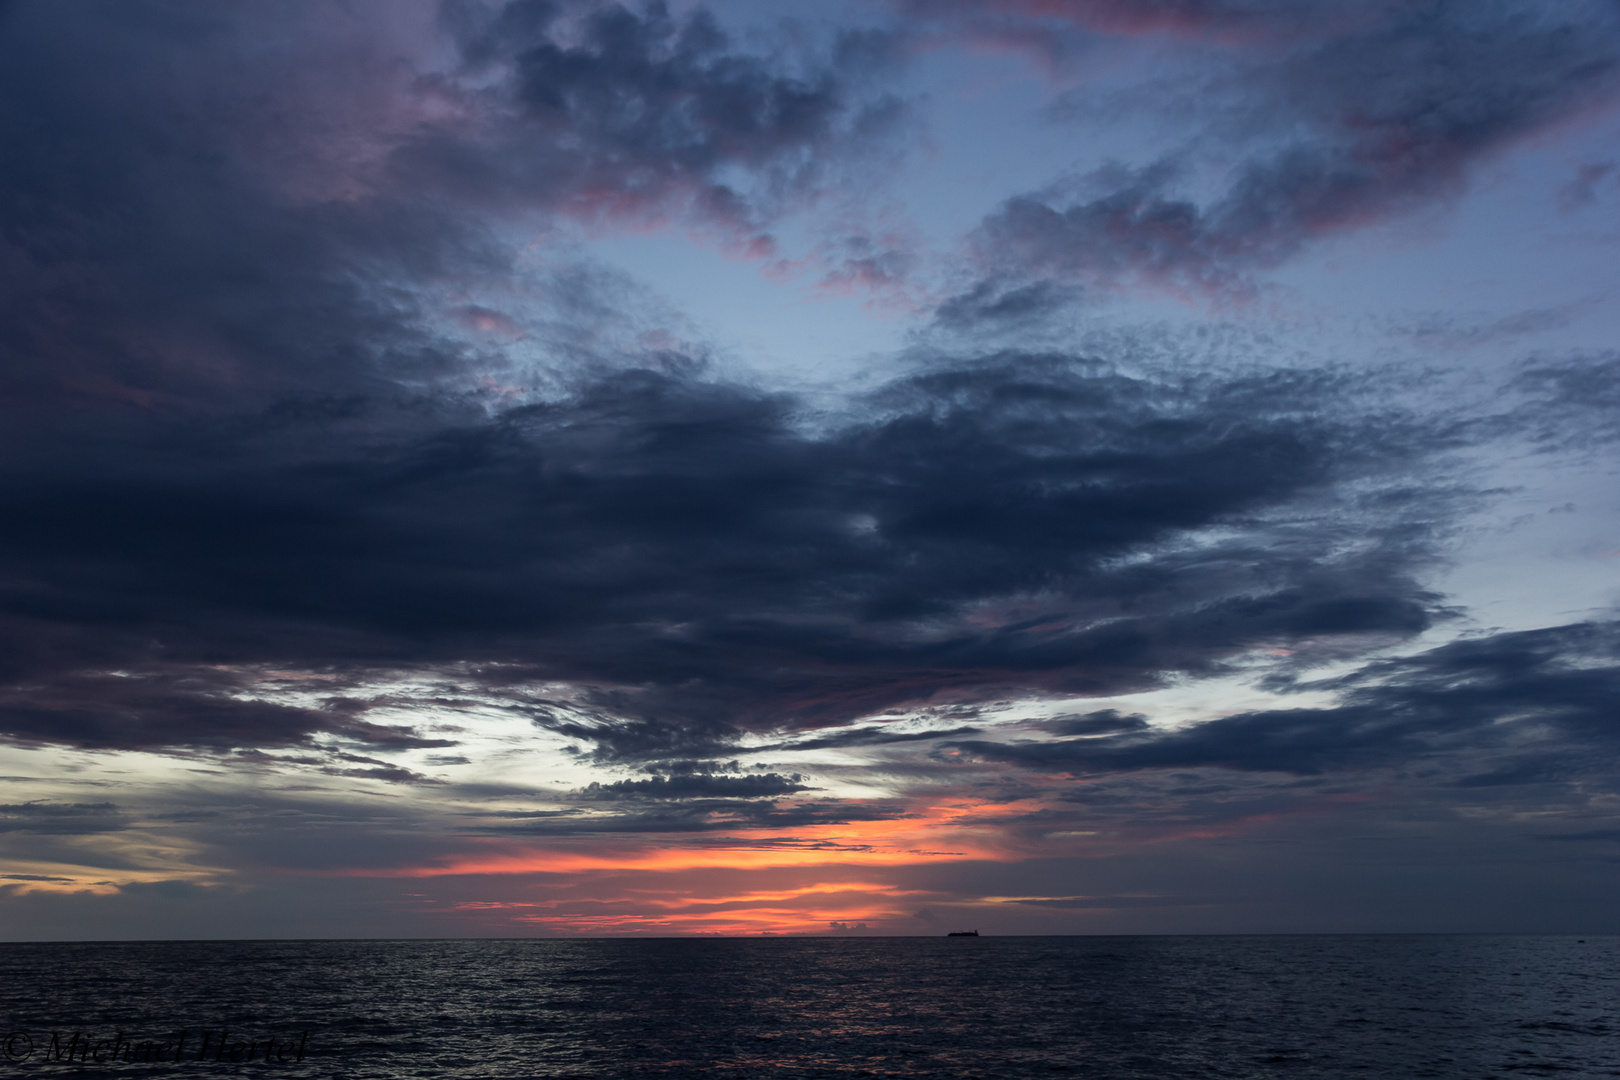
(1106, 1007)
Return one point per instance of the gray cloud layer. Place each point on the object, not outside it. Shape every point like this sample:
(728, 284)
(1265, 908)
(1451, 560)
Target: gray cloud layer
(1539, 703)
(702, 558)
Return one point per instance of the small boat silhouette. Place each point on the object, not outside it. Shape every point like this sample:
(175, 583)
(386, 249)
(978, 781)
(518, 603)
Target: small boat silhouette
(963, 933)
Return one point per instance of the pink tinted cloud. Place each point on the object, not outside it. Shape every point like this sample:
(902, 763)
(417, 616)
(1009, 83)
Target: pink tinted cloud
(1367, 123)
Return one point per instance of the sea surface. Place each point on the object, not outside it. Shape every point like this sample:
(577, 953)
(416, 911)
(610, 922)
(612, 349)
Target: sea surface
(1106, 1007)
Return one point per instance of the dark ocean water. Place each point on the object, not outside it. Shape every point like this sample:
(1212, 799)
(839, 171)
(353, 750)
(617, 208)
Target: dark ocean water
(1108, 1007)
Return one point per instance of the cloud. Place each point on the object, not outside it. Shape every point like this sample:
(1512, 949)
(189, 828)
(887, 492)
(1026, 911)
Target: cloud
(1582, 191)
(603, 111)
(159, 704)
(1570, 402)
(690, 814)
(199, 222)
(1230, 21)
(1360, 121)
(871, 736)
(695, 560)
(700, 785)
(1591, 834)
(1448, 333)
(271, 442)
(1534, 706)
(996, 305)
(1101, 722)
(60, 819)
(323, 451)
(1105, 902)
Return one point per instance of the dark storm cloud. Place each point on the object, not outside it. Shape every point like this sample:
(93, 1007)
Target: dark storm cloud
(1538, 705)
(252, 463)
(697, 560)
(1368, 117)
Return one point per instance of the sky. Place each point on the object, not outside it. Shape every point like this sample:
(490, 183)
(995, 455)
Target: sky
(555, 468)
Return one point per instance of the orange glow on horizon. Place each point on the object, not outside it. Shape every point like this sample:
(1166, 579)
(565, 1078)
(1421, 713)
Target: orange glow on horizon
(759, 912)
(946, 831)
(822, 879)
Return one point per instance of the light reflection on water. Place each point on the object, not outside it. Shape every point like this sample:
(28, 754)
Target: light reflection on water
(1147, 1007)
